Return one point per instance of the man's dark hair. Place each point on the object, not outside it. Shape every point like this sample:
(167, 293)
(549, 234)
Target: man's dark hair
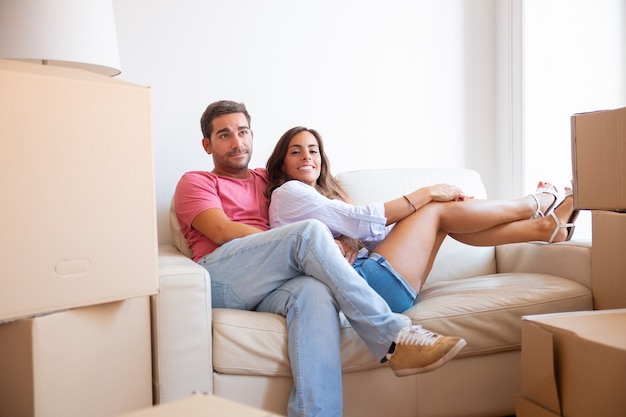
(220, 108)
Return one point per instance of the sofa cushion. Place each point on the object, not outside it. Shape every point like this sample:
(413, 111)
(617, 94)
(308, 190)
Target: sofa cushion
(253, 343)
(484, 310)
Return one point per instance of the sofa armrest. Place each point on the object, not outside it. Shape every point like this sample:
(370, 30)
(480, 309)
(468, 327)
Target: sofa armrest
(571, 260)
(181, 326)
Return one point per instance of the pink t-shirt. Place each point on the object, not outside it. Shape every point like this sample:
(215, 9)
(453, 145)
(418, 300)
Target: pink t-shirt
(241, 199)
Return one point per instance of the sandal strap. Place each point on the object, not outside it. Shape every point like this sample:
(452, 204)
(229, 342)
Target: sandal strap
(558, 226)
(538, 213)
(541, 190)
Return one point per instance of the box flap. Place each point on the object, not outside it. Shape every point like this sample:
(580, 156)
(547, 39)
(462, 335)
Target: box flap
(526, 408)
(539, 382)
(597, 326)
(589, 361)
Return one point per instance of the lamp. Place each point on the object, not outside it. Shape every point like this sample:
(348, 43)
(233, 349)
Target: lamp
(70, 33)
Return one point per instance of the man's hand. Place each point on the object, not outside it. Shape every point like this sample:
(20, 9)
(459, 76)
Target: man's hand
(348, 251)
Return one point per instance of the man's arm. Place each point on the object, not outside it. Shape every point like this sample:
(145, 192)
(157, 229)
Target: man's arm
(215, 225)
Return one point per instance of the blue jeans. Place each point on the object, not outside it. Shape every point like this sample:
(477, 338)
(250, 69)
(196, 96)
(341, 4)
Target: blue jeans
(386, 281)
(297, 271)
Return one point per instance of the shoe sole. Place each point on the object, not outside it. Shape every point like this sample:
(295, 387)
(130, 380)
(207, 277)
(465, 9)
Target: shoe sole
(444, 359)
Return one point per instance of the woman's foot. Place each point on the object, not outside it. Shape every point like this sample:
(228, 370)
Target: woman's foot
(545, 197)
(563, 218)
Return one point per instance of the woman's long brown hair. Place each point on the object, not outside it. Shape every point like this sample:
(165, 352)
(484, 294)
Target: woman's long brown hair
(326, 184)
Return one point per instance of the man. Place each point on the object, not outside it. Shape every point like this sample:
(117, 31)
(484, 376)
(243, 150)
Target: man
(295, 270)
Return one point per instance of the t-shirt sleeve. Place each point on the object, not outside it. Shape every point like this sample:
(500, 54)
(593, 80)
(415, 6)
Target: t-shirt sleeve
(194, 194)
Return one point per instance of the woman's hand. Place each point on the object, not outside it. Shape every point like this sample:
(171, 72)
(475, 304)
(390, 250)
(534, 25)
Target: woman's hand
(347, 249)
(447, 192)
(401, 207)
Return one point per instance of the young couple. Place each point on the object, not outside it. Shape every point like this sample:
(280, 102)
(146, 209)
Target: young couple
(298, 271)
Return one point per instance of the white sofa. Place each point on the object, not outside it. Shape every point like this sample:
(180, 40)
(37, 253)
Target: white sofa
(477, 293)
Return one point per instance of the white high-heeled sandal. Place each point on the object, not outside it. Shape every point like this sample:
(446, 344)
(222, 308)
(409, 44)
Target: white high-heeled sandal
(570, 226)
(541, 188)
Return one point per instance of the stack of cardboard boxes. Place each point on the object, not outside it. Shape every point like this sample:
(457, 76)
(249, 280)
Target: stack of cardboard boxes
(574, 364)
(78, 243)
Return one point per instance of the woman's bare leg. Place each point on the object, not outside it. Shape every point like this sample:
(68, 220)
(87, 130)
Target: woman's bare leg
(521, 231)
(412, 245)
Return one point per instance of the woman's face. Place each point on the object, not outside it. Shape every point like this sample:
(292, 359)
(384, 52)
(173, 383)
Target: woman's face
(303, 161)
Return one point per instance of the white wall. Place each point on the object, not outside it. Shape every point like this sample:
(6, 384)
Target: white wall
(394, 84)
(404, 83)
(574, 62)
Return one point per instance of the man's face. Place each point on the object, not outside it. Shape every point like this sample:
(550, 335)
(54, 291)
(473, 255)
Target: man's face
(230, 145)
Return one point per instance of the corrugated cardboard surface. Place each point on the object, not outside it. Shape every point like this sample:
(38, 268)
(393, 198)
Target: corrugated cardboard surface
(201, 406)
(574, 364)
(92, 361)
(608, 259)
(76, 177)
(599, 159)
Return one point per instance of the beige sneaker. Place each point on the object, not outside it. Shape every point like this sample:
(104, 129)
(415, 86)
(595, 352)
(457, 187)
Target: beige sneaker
(419, 350)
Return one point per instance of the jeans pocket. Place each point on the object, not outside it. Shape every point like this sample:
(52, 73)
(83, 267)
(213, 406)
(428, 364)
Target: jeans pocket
(223, 296)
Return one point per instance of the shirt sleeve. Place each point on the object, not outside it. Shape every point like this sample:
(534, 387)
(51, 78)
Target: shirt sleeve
(295, 201)
(195, 193)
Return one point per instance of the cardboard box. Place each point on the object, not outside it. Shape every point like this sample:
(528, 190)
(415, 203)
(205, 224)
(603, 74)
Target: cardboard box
(608, 259)
(201, 406)
(91, 361)
(76, 177)
(525, 408)
(573, 364)
(599, 160)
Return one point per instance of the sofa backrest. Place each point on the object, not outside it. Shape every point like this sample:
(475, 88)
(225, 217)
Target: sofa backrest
(455, 260)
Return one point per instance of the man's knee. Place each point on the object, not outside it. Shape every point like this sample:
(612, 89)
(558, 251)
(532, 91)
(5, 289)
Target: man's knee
(303, 292)
(314, 227)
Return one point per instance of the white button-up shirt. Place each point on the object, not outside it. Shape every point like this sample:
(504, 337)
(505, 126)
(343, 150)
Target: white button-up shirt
(295, 201)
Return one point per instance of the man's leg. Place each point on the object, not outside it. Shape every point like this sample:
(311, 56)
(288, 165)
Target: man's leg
(313, 343)
(244, 271)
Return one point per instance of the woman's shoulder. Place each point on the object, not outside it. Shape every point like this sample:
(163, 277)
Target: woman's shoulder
(294, 187)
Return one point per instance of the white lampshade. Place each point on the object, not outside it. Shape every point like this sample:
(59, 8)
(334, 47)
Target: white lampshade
(71, 33)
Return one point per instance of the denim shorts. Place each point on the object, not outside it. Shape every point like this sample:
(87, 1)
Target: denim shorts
(389, 284)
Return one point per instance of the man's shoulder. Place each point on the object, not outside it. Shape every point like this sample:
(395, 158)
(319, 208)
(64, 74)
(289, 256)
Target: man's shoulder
(205, 179)
(197, 174)
(259, 172)
(196, 178)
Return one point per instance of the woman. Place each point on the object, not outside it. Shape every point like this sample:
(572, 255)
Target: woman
(393, 244)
